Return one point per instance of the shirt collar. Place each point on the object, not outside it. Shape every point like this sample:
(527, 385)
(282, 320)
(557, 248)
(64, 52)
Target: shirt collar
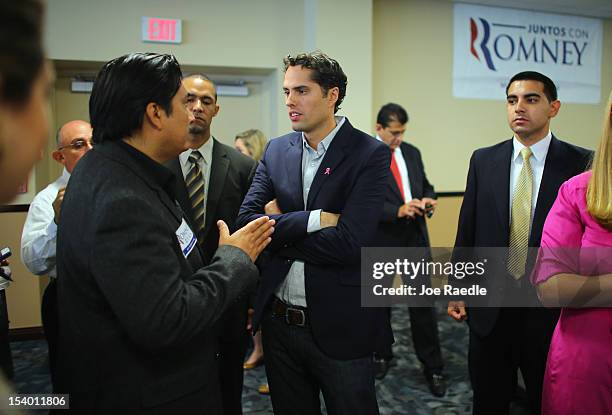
(205, 149)
(326, 142)
(539, 149)
(65, 175)
(397, 149)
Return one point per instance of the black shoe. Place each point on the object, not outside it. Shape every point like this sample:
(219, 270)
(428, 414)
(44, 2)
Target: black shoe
(436, 383)
(381, 367)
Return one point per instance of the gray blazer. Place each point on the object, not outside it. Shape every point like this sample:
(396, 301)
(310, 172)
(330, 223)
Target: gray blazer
(136, 315)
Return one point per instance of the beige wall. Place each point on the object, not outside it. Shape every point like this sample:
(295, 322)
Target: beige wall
(234, 33)
(413, 66)
(240, 36)
(343, 29)
(443, 224)
(237, 114)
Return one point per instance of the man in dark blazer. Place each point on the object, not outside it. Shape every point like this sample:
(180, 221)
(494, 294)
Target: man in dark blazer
(137, 306)
(323, 184)
(503, 339)
(409, 197)
(227, 175)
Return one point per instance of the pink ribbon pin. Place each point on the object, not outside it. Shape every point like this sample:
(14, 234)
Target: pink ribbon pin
(327, 170)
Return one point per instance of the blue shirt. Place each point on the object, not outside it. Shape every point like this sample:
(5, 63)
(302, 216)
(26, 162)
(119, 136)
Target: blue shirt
(293, 290)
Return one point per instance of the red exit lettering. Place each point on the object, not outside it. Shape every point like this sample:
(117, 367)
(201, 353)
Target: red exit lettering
(162, 29)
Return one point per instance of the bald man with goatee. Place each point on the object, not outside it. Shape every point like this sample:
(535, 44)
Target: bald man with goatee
(213, 180)
(38, 239)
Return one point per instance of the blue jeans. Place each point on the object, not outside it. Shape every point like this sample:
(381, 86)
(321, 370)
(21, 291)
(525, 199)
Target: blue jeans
(298, 370)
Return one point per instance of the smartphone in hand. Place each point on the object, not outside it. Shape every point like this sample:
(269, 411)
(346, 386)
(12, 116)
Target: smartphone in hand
(5, 253)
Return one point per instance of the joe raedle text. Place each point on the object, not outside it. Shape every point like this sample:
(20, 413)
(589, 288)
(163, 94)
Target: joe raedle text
(415, 278)
(424, 290)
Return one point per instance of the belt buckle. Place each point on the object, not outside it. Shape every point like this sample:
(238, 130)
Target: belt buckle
(300, 312)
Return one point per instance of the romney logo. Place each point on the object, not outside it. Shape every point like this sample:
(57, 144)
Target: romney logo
(492, 43)
(484, 39)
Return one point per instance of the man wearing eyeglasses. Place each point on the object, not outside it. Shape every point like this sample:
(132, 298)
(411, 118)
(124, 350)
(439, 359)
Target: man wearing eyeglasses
(409, 198)
(40, 230)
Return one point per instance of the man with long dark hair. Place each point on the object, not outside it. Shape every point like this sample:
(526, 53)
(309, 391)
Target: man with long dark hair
(137, 308)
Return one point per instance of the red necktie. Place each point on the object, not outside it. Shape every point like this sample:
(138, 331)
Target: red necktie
(396, 175)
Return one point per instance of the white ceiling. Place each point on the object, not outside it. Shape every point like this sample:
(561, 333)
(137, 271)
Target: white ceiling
(592, 8)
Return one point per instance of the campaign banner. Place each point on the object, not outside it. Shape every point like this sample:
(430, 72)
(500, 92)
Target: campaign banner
(491, 44)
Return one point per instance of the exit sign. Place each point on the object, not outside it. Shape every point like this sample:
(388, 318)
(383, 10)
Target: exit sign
(161, 30)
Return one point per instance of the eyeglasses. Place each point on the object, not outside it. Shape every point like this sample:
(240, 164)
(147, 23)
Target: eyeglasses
(77, 144)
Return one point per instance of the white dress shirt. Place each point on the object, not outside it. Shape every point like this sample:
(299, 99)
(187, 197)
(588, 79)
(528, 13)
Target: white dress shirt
(205, 164)
(38, 239)
(539, 151)
(403, 171)
(293, 289)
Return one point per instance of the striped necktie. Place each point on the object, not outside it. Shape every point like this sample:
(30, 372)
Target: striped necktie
(195, 187)
(521, 218)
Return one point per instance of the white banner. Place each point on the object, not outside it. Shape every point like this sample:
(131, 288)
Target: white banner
(491, 44)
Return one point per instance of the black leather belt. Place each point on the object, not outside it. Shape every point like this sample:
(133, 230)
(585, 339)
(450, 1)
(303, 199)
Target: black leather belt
(292, 315)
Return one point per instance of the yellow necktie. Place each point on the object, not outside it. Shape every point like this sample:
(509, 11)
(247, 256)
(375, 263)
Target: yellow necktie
(521, 218)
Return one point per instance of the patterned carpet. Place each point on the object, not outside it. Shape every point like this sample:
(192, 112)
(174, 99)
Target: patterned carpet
(403, 391)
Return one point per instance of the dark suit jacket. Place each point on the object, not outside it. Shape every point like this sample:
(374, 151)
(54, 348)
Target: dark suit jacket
(347, 182)
(394, 231)
(136, 316)
(484, 217)
(230, 177)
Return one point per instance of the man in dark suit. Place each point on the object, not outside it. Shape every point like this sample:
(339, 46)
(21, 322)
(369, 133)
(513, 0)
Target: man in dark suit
(323, 185)
(223, 178)
(137, 306)
(408, 198)
(510, 189)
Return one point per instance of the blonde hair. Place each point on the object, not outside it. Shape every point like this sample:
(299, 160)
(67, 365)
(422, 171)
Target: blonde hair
(254, 141)
(599, 192)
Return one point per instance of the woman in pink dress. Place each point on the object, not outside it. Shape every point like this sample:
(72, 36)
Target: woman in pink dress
(574, 270)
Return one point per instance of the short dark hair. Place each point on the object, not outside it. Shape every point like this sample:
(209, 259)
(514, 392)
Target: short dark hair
(123, 89)
(325, 71)
(204, 77)
(21, 50)
(550, 90)
(391, 112)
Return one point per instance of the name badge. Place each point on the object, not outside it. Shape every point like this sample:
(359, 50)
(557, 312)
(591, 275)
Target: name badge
(186, 238)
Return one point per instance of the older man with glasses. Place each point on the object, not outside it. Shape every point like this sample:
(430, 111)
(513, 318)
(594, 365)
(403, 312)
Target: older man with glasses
(40, 230)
